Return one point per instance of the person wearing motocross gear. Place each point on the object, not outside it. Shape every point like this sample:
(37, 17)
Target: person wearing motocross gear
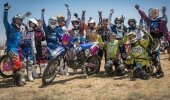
(138, 57)
(113, 55)
(13, 35)
(56, 27)
(63, 23)
(92, 33)
(78, 31)
(54, 31)
(103, 30)
(28, 49)
(157, 28)
(132, 25)
(119, 29)
(41, 47)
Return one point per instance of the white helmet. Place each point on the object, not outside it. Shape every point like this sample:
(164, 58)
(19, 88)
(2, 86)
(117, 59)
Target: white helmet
(91, 22)
(153, 9)
(49, 22)
(135, 38)
(34, 21)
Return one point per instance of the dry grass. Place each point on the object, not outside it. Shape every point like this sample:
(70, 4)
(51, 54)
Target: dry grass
(97, 87)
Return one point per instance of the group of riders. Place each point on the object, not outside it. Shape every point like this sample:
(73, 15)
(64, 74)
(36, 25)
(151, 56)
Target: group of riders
(34, 44)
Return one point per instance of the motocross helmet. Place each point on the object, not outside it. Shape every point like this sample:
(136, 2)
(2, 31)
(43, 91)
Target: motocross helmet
(118, 21)
(153, 13)
(65, 39)
(75, 23)
(132, 22)
(52, 22)
(17, 20)
(91, 24)
(32, 21)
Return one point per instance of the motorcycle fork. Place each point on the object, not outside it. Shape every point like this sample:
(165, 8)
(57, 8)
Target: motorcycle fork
(84, 69)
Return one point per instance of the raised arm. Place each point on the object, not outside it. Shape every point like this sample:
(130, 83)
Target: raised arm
(100, 17)
(80, 20)
(83, 15)
(5, 17)
(147, 38)
(110, 17)
(42, 17)
(164, 22)
(68, 16)
(164, 14)
(142, 13)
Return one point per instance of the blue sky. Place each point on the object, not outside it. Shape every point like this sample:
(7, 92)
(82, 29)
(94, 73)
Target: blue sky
(56, 7)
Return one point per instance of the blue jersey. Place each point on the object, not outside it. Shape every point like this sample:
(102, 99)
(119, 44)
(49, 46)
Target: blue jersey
(13, 35)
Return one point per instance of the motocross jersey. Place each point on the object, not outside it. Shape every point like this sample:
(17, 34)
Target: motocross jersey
(27, 43)
(157, 26)
(78, 35)
(52, 38)
(42, 53)
(103, 32)
(112, 50)
(39, 36)
(139, 50)
(13, 35)
(77, 32)
(119, 31)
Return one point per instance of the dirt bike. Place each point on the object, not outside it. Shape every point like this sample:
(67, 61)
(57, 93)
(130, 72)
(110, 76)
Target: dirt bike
(89, 63)
(6, 66)
(84, 56)
(7, 63)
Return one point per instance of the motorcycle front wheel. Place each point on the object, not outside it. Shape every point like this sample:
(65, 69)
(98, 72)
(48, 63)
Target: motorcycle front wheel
(50, 71)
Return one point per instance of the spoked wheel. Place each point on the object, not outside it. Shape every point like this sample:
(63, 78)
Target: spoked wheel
(50, 71)
(6, 66)
(92, 65)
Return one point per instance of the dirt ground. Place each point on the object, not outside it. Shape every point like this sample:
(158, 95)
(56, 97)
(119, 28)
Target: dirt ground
(97, 87)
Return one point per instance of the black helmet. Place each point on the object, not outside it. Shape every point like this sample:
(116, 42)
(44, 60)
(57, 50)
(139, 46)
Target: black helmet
(118, 19)
(131, 20)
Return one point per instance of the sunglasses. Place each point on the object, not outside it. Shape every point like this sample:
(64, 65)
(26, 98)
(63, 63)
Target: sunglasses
(61, 20)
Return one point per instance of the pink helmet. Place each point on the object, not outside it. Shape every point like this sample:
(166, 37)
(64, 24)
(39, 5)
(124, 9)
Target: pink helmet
(65, 39)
